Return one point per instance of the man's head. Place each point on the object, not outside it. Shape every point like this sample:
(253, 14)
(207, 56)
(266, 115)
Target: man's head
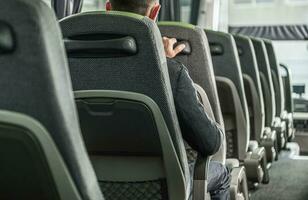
(149, 8)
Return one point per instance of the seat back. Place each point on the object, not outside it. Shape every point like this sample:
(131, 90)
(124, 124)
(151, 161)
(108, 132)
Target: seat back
(276, 77)
(124, 52)
(252, 83)
(287, 80)
(266, 81)
(230, 84)
(199, 64)
(41, 145)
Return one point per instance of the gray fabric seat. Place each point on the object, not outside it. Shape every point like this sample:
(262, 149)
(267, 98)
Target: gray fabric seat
(279, 92)
(199, 65)
(118, 51)
(229, 79)
(266, 81)
(42, 153)
(276, 78)
(287, 82)
(252, 86)
(268, 89)
(254, 95)
(230, 83)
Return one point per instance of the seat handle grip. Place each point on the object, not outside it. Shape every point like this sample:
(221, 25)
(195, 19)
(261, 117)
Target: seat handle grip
(125, 46)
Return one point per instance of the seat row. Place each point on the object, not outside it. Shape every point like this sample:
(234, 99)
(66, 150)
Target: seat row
(99, 121)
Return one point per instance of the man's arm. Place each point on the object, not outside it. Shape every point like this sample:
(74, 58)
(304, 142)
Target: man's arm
(202, 134)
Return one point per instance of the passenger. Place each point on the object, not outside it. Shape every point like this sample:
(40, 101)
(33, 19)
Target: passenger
(200, 132)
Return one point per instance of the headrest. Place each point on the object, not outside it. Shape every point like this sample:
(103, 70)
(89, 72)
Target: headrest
(225, 55)
(110, 34)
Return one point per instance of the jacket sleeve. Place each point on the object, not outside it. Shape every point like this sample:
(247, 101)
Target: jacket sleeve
(201, 133)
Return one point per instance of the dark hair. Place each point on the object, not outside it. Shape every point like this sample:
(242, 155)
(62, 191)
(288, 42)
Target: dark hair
(135, 6)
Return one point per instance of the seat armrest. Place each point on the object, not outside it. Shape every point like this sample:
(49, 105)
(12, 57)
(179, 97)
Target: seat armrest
(200, 178)
(232, 163)
(283, 125)
(292, 130)
(256, 165)
(258, 153)
(253, 144)
(280, 127)
(277, 122)
(269, 134)
(269, 142)
(290, 116)
(284, 115)
(239, 184)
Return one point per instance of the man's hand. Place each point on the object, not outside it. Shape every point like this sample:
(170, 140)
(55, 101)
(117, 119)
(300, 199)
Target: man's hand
(170, 51)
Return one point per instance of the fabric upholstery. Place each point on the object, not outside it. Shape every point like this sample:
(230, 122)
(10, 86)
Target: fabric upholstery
(35, 81)
(144, 72)
(226, 64)
(199, 65)
(276, 77)
(287, 80)
(148, 190)
(230, 66)
(266, 81)
(199, 62)
(253, 88)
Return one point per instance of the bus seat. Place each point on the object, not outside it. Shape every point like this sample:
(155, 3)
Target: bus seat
(118, 52)
(279, 92)
(254, 95)
(268, 91)
(287, 82)
(42, 153)
(252, 86)
(199, 64)
(234, 106)
(229, 78)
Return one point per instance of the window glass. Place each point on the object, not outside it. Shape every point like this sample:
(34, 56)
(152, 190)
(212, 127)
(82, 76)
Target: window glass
(253, 2)
(93, 5)
(265, 1)
(294, 55)
(242, 1)
(297, 2)
(185, 10)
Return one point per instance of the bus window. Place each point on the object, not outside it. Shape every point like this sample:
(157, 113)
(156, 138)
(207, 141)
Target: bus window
(185, 10)
(93, 5)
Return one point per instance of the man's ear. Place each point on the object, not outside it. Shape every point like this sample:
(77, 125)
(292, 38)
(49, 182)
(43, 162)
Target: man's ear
(155, 11)
(108, 6)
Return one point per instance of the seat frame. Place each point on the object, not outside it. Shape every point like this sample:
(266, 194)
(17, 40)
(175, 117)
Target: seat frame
(63, 181)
